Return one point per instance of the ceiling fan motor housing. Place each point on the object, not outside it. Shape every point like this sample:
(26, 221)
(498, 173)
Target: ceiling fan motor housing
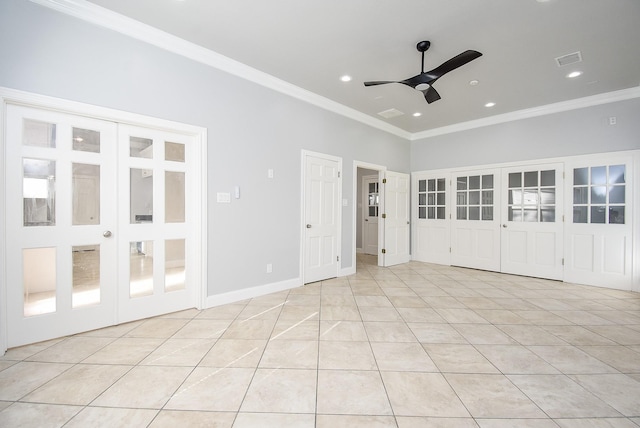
(423, 46)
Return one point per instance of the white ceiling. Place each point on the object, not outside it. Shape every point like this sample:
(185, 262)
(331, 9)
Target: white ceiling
(311, 44)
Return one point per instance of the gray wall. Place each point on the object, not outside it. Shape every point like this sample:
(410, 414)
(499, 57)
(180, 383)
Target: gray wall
(250, 129)
(575, 132)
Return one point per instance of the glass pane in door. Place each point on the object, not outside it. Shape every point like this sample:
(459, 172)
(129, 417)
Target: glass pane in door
(86, 194)
(141, 195)
(86, 276)
(174, 151)
(141, 269)
(174, 265)
(174, 197)
(141, 147)
(39, 134)
(39, 280)
(39, 192)
(86, 140)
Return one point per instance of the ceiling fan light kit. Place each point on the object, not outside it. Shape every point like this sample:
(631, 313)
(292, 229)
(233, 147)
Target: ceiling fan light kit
(424, 81)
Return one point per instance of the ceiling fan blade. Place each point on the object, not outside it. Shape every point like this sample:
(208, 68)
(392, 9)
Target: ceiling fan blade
(378, 82)
(453, 63)
(431, 95)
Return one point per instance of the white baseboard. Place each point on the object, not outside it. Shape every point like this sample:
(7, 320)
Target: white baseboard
(249, 293)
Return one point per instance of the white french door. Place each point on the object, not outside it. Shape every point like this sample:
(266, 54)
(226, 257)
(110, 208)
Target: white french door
(101, 227)
(321, 226)
(532, 221)
(153, 245)
(475, 226)
(600, 228)
(432, 234)
(396, 218)
(371, 211)
(61, 252)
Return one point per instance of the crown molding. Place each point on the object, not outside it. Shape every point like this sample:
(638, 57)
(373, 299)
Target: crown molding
(106, 18)
(578, 103)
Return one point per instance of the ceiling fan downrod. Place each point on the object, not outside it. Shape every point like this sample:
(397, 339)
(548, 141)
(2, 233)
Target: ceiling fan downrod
(422, 47)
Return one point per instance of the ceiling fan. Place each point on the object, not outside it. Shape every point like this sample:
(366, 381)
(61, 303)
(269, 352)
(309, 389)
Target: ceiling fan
(423, 82)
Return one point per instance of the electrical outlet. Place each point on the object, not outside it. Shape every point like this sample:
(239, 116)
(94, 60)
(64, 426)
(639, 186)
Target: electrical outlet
(613, 120)
(269, 268)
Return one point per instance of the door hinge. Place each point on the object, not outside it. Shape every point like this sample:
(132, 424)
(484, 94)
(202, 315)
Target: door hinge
(449, 249)
(563, 175)
(384, 181)
(338, 174)
(337, 258)
(563, 261)
(563, 218)
(384, 216)
(384, 251)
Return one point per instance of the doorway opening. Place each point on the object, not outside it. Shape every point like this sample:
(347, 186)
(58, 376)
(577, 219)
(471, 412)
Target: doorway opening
(369, 236)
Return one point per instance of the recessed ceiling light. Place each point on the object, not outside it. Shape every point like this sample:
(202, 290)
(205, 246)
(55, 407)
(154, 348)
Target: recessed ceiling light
(574, 74)
(417, 114)
(474, 82)
(346, 78)
(489, 104)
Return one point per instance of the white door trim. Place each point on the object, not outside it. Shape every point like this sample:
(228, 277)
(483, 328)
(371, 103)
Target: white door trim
(635, 275)
(381, 171)
(303, 243)
(13, 96)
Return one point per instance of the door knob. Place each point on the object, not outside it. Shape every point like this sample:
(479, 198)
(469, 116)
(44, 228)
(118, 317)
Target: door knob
(366, 219)
(504, 225)
(308, 226)
(107, 234)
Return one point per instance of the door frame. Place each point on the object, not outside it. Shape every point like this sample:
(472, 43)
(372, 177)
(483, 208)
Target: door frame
(364, 199)
(199, 255)
(381, 171)
(303, 187)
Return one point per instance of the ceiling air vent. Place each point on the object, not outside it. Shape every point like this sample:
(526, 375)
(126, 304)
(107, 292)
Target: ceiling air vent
(388, 114)
(571, 58)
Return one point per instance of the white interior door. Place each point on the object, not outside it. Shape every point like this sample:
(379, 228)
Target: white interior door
(475, 227)
(396, 218)
(60, 223)
(532, 221)
(156, 168)
(432, 234)
(599, 230)
(321, 217)
(371, 209)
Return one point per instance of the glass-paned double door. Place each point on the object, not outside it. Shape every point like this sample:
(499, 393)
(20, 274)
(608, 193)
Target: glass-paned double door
(506, 219)
(75, 260)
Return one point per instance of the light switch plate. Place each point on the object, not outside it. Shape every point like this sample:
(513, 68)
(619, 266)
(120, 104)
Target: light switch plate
(223, 198)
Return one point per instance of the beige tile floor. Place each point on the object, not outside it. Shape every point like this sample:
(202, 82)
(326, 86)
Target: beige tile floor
(415, 345)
